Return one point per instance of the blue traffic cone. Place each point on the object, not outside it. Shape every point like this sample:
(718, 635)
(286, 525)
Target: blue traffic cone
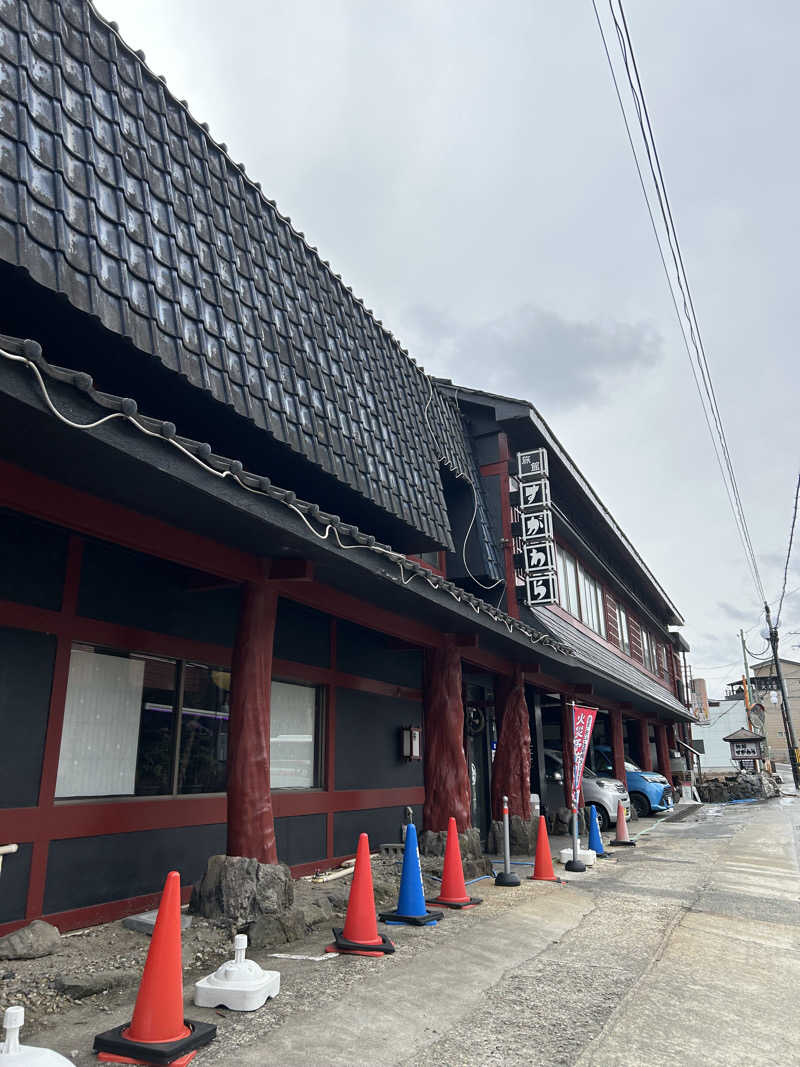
(411, 908)
(595, 840)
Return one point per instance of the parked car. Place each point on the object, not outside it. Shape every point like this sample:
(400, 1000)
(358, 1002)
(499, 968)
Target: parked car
(605, 793)
(650, 791)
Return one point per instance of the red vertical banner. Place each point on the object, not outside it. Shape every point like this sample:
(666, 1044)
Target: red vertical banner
(582, 725)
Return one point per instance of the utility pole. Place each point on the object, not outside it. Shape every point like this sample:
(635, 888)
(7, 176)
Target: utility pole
(794, 756)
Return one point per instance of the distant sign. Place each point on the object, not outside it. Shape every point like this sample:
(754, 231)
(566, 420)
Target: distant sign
(532, 464)
(745, 750)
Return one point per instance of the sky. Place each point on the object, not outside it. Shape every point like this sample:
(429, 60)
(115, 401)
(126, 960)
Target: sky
(465, 168)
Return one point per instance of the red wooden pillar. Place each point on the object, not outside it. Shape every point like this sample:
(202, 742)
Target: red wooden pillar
(644, 745)
(251, 829)
(617, 746)
(511, 770)
(446, 779)
(662, 748)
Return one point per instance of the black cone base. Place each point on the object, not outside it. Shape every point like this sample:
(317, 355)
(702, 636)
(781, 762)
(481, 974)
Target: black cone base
(457, 904)
(575, 866)
(623, 844)
(343, 945)
(161, 1053)
(506, 879)
(411, 920)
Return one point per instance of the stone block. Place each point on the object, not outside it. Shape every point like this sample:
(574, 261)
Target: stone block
(30, 942)
(145, 921)
(242, 890)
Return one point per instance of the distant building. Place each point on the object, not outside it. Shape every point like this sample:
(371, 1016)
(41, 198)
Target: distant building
(763, 684)
(723, 718)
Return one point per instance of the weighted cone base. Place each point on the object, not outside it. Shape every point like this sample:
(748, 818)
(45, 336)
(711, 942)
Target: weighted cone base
(459, 905)
(623, 844)
(506, 879)
(394, 918)
(575, 866)
(359, 948)
(159, 1053)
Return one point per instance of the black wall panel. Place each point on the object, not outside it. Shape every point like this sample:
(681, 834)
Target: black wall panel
(14, 883)
(302, 634)
(26, 677)
(93, 870)
(368, 741)
(382, 825)
(133, 589)
(370, 654)
(301, 838)
(33, 558)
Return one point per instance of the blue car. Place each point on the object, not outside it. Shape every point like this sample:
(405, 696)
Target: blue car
(649, 791)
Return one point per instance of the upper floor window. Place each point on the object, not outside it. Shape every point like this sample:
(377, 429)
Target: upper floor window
(649, 651)
(579, 593)
(622, 629)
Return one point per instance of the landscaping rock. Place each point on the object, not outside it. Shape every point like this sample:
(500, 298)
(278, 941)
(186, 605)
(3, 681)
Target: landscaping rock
(30, 942)
(89, 985)
(743, 786)
(521, 835)
(242, 890)
(271, 930)
(432, 843)
(145, 921)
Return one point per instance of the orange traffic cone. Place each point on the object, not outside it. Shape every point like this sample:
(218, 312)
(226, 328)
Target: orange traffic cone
(158, 1033)
(622, 838)
(360, 935)
(543, 867)
(453, 893)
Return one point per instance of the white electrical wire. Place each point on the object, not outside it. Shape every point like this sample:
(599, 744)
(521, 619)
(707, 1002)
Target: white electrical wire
(402, 561)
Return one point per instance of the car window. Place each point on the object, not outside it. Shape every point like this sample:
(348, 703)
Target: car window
(551, 765)
(602, 763)
(631, 766)
(588, 773)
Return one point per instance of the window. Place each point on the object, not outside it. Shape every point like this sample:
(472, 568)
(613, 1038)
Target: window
(138, 725)
(579, 593)
(294, 743)
(622, 629)
(649, 651)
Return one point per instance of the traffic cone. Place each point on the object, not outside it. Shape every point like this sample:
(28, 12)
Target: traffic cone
(360, 935)
(622, 837)
(595, 837)
(453, 893)
(543, 867)
(158, 1033)
(411, 908)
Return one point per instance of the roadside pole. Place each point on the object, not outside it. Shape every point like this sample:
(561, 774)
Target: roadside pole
(794, 756)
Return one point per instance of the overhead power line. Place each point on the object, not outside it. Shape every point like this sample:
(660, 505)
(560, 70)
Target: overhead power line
(688, 322)
(788, 553)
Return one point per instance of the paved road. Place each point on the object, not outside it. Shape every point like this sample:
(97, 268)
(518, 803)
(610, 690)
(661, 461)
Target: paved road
(682, 950)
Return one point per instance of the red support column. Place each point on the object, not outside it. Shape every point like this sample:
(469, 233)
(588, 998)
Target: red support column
(251, 828)
(644, 745)
(617, 746)
(662, 749)
(511, 770)
(446, 780)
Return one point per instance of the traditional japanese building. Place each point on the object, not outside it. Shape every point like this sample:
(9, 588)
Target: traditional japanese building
(249, 547)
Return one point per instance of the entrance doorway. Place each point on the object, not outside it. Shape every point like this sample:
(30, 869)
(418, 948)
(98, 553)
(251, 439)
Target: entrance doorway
(480, 740)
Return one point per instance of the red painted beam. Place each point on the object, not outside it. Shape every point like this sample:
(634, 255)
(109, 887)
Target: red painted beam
(88, 514)
(618, 746)
(291, 570)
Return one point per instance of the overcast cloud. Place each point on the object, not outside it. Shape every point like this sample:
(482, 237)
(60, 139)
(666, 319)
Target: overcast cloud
(464, 167)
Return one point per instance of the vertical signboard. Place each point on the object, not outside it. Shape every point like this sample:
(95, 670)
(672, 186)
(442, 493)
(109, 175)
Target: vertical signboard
(582, 725)
(536, 548)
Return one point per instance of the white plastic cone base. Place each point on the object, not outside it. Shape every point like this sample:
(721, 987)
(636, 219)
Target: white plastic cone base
(12, 1053)
(585, 855)
(239, 984)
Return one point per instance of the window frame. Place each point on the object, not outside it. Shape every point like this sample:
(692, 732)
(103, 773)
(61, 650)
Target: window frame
(321, 704)
(180, 663)
(623, 628)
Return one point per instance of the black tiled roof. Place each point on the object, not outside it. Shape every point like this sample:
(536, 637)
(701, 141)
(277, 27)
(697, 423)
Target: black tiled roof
(604, 660)
(113, 195)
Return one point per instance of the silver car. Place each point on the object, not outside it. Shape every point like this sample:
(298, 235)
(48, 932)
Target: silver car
(604, 793)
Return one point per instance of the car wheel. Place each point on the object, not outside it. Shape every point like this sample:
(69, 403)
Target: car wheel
(641, 803)
(603, 820)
